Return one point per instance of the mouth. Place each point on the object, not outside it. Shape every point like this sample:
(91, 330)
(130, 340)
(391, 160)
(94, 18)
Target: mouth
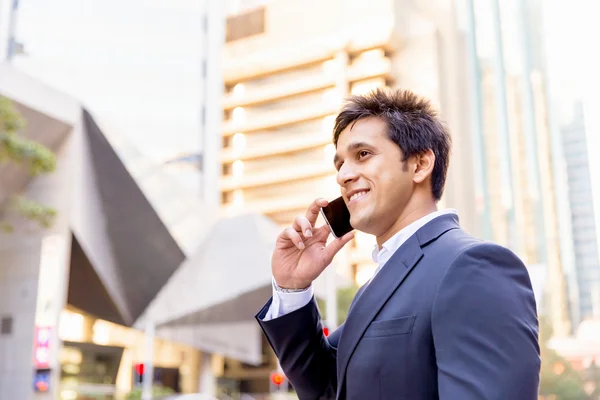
(357, 195)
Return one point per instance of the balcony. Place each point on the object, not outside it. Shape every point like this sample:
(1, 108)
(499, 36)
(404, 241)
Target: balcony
(276, 147)
(271, 92)
(273, 177)
(264, 63)
(277, 91)
(370, 70)
(278, 119)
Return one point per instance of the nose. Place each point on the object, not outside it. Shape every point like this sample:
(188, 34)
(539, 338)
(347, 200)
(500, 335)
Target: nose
(346, 174)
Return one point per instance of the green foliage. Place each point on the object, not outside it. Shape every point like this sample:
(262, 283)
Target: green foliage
(36, 157)
(157, 392)
(14, 147)
(34, 211)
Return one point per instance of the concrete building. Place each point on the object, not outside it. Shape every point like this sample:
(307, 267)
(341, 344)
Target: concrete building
(285, 79)
(72, 295)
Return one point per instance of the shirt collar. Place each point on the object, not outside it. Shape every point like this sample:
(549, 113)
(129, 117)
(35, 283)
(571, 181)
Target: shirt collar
(381, 256)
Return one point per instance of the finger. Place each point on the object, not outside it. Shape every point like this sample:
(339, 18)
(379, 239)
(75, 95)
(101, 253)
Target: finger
(315, 208)
(322, 232)
(336, 245)
(301, 224)
(292, 235)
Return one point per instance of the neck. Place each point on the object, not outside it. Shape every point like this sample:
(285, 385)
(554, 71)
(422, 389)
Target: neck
(414, 211)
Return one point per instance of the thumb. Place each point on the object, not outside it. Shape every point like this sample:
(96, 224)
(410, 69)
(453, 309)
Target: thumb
(336, 245)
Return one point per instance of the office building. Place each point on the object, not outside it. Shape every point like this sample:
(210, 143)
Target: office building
(574, 86)
(519, 183)
(129, 252)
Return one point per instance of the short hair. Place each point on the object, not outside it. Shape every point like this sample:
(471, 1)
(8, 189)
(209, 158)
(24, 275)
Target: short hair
(413, 124)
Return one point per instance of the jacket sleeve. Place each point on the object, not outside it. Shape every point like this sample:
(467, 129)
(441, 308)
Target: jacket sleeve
(306, 356)
(485, 328)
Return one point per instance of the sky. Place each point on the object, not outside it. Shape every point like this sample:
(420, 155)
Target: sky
(136, 64)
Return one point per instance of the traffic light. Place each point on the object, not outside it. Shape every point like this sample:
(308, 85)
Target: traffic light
(278, 382)
(138, 369)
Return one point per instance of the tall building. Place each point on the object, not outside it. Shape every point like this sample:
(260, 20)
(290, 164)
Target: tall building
(285, 79)
(521, 190)
(574, 88)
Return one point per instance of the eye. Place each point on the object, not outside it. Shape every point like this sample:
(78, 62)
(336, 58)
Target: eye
(363, 154)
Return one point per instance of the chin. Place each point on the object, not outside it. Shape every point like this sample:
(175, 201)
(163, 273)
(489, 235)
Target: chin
(359, 224)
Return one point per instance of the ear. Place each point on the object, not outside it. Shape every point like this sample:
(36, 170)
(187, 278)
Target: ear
(424, 163)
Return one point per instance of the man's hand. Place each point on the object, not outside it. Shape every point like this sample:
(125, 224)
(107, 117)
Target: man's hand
(301, 252)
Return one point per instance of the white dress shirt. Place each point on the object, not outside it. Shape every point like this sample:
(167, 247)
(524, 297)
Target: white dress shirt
(286, 302)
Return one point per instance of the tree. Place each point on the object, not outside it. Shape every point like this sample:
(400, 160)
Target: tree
(38, 159)
(559, 380)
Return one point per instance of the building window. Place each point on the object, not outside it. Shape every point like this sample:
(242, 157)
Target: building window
(6, 326)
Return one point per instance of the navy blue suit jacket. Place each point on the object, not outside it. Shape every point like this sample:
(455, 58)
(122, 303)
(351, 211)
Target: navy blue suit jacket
(448, 317)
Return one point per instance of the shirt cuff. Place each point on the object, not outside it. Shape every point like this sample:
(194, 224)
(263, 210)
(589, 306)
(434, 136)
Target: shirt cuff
(286, 302)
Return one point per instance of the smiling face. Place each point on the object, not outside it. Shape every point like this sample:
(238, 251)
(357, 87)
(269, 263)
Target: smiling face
(376, 184)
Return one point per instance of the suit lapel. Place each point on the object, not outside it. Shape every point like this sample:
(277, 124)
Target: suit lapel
(373, 298)
(370, 300)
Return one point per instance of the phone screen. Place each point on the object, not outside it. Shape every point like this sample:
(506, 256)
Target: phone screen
(337, 216)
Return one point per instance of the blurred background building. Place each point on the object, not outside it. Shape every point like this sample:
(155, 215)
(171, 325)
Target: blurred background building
(215, 120)
(574, 86)
(8, 20)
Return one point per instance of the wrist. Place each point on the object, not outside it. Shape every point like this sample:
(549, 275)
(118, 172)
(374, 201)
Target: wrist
(290, 287)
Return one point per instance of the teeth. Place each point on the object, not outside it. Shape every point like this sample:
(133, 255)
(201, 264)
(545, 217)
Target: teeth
(358, 194)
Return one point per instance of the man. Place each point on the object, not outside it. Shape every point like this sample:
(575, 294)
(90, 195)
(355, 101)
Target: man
(446, 316)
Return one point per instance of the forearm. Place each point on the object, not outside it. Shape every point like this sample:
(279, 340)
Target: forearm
(305, 355)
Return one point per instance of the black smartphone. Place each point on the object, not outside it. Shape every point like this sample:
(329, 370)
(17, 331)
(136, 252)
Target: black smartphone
(337, 216)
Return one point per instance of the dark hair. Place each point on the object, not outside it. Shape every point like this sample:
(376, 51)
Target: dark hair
(413, 124)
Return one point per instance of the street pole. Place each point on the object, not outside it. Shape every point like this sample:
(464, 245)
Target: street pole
(331, 297)
(148, 376)
(212, 115)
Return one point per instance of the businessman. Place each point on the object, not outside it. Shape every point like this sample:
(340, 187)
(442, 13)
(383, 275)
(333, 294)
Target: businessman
(445, 316)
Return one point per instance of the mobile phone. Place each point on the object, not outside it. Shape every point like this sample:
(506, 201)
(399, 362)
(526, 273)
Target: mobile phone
(337, 216)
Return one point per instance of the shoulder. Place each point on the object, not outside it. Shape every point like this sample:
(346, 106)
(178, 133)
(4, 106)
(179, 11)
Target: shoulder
(488, 271)
(482, 253)
(459, 247)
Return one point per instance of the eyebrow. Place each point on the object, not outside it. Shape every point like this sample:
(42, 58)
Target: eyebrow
(351, 147)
